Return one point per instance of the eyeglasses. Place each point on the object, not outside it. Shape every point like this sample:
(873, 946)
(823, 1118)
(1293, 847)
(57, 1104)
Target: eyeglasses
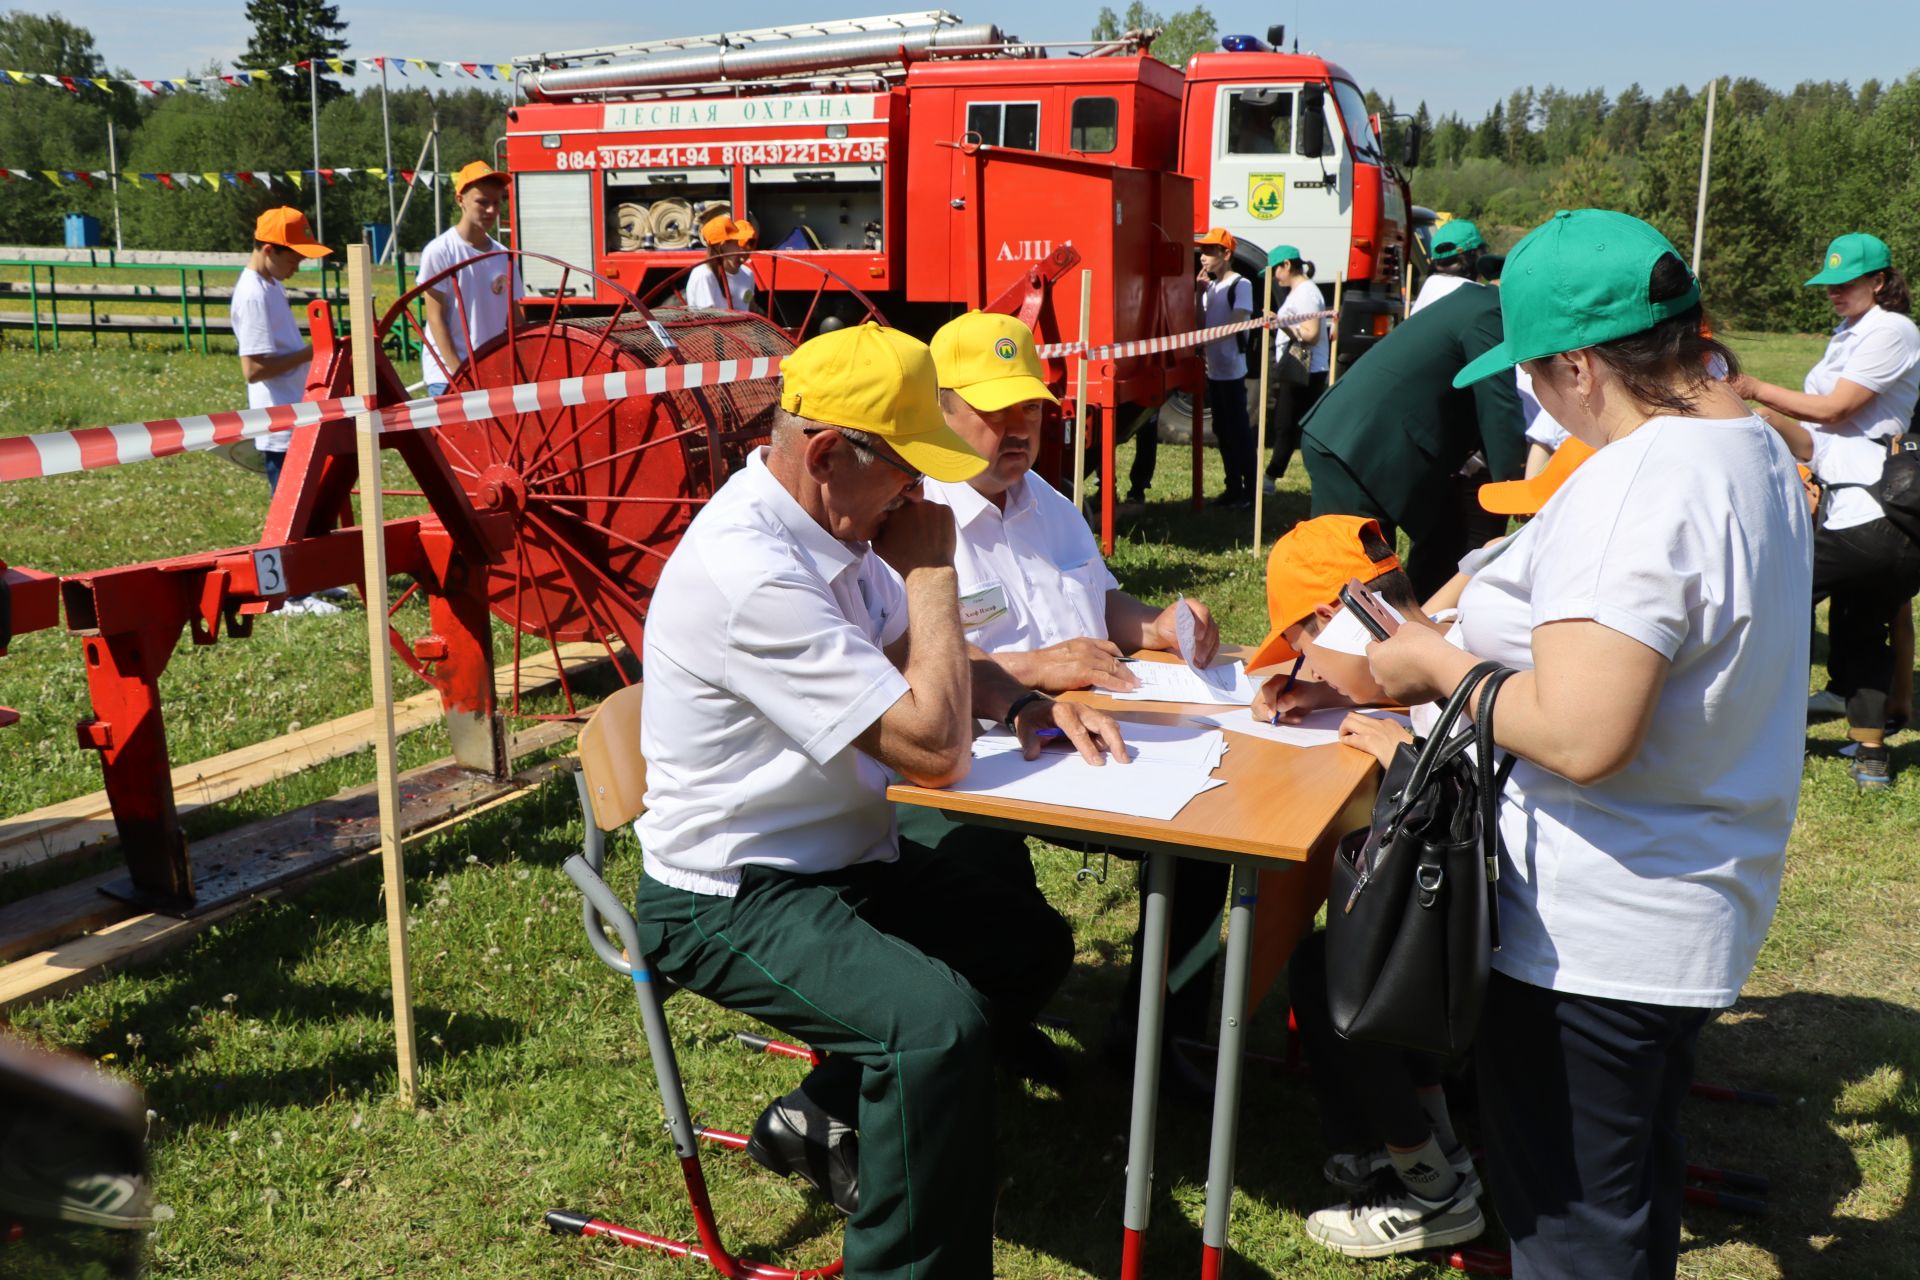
(895, 463)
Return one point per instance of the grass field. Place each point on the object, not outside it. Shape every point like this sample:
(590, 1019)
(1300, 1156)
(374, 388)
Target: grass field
(266, 1053)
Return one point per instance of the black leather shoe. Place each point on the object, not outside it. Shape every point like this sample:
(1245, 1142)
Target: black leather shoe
(790, 1139)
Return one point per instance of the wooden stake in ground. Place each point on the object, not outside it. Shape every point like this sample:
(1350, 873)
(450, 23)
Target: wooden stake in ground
(1260, 435)
(380, 665)
(1080, 395)
(1333, 355)
(1706, 163)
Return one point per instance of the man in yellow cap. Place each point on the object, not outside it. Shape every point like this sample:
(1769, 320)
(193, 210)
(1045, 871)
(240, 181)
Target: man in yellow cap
(787, 672)
(473, 306)
(1036, 596)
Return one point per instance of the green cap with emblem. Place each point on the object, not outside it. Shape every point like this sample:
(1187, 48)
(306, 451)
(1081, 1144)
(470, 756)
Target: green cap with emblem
(1453, 239)
(1582, 279)
(1851, 256)
(1282, 253)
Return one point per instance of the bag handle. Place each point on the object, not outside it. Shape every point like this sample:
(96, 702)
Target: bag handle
(1491, 782)
(1442, 744)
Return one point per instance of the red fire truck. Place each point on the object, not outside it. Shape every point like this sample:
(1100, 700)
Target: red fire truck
(937, 165)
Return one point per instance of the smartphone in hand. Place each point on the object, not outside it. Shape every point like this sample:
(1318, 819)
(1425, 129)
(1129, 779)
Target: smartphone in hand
(1368, 609)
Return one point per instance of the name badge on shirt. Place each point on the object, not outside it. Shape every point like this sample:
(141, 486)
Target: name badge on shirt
(981, 606)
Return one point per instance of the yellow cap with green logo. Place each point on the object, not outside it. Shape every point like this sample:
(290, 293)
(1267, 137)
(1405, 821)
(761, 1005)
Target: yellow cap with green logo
(1582, 279)
(880, 381)
(1851, 256)
(988, 360)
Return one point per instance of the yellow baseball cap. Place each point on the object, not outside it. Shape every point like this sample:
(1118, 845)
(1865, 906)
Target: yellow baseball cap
(989, 361)
(867, 378)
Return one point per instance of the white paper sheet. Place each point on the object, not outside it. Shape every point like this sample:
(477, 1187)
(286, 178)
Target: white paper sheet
(1169, 772)
(1316, 729)
(1185, 745)
(1225, 684)
(1186, 632)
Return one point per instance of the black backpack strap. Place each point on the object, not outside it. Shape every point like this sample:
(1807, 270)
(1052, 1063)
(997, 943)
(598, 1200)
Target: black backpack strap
(1491, 780)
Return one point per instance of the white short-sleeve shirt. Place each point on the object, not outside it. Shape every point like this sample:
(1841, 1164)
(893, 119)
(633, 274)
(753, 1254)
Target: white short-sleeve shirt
(263, 325)
(1438, 286)
(703, 289)
(1031, 575)
(486, 296)
(1657, 884)
(1881, 352)
(1221, 298)
(763, 659)
(1304, 299)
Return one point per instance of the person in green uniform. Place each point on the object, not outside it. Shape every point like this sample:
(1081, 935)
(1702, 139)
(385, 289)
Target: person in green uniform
(1387, 438)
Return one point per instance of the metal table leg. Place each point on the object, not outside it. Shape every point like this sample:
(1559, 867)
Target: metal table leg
(1226, 1089)
(1148, 1034)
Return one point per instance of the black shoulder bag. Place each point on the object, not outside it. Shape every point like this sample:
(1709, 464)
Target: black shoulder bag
(1412, 915)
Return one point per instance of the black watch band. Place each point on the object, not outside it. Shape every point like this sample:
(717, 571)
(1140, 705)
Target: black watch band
(1020, 704)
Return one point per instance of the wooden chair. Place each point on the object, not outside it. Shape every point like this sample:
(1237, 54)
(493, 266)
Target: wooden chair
(612, 781)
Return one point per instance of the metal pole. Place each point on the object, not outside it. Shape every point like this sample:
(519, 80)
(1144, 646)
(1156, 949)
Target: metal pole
(1137, 1203)
(113, 177)
(1226, 1088)
(1260, 437)
(1706, 159)
(386, 132)
(1080, 395)
(437, 228)
(319, 204)
(406, 200)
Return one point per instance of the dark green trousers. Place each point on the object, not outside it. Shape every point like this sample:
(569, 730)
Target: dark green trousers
(898, 971)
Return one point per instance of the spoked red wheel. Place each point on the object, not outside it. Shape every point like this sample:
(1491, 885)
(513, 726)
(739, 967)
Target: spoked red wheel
(599, 494)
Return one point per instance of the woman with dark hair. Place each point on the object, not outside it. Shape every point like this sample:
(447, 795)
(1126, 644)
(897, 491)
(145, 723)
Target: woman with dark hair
(1855, 401)
(1292, 399)
(1652, 609)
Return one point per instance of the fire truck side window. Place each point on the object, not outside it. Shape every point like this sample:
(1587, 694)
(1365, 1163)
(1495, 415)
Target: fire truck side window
(1095, 124)
(1260, 122)
(1005, 124)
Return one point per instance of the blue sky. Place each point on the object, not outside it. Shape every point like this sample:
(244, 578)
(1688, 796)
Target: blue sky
(1482, 51)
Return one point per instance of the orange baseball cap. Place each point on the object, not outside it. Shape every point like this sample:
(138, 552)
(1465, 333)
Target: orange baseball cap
(288, 228)
(724, 229)
(1217, 235)
(1307, 567)
(478, 171)
(1525, 497)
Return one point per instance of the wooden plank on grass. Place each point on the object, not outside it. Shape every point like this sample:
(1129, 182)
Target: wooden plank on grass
(72, 826)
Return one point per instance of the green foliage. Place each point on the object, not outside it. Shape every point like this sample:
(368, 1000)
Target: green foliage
(288, 31)
(1181, 36)
(43, 128)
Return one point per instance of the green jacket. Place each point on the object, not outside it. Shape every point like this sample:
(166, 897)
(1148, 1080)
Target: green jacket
(1398, 425)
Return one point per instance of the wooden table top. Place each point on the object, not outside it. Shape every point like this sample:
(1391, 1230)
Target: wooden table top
(1279, 800)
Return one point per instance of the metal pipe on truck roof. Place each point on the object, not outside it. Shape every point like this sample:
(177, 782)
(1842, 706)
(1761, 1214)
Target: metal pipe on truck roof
(758, 61)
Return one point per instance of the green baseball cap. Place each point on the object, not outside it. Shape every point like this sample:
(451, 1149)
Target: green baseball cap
(1454, 238)
(1852, 256)
(1282, 253)
(1581, 279)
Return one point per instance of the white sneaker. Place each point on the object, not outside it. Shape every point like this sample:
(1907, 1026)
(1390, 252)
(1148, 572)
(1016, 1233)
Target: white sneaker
(308, 607)
(1826, 703)
(337, 595)
(1356, 1172)
(1391, 1219)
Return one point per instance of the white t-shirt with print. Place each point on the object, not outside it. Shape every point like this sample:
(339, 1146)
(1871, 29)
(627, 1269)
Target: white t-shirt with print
(1657, 884)
(703, 289)
(486, 296)
(1881, 352)
(1218, 301)
(263, 325)
(1305, 299)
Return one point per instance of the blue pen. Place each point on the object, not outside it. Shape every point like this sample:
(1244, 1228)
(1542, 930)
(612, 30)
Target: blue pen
(1292, 676)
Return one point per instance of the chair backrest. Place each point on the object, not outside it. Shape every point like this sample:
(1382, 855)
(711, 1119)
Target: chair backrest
(610, 758)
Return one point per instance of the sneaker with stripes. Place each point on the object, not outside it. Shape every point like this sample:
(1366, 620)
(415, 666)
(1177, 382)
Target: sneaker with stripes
(1388, 1219)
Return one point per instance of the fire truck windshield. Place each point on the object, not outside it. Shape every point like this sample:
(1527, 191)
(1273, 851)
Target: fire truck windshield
(1353, 108)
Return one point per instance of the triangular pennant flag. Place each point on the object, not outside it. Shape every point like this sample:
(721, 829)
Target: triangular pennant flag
(406, 176)
(420, 63)
(105, 86)
(71, 87)
(84, 179)
(326, 175)
(301, 65)
(98, 174)
(180, 86)
(505, 69)
(338, 66)
(473, 69)
(212, 178)
(260, 76)
(132, 178)
(240, 178)
(52, 80)
(53, 176)
(165, 180)
(264, 178)
(19, 77)
(379, 64)
(378, 173)
(6, 175)
(293, 176)
(148, 86)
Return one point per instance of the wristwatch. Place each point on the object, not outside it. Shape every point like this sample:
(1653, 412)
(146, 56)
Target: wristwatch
(1020, 704)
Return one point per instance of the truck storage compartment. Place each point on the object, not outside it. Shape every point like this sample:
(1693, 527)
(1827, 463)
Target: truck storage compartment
(817, 206)
(649, 209)
(555, 218)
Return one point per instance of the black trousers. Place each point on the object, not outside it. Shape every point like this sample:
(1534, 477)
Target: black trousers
(1580, 1109)
(1866, 573)
(1366, 1091)
(1289, 404)
(1227, 408)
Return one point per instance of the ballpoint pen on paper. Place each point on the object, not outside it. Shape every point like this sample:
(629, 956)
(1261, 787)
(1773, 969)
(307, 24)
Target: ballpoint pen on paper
(1293, 674)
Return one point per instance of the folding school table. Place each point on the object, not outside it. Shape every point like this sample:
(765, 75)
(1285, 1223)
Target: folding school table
(1276, 820)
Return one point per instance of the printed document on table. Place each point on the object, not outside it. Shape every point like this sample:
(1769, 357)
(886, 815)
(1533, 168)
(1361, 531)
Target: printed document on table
(1188, 744)
(1225, 685)
(1315, 729)
(1144, 788)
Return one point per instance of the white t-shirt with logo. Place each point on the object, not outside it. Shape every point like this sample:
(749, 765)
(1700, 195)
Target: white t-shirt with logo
(1302, 299)
(1657, 884)
(1221, 298)
(1881, 352)
(703, 289)
(263, 325)
(486, 296)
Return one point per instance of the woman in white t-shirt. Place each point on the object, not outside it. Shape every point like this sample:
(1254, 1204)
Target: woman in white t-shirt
(723, 282)
(1656, 611)
(1293, 276)
(1856, 400)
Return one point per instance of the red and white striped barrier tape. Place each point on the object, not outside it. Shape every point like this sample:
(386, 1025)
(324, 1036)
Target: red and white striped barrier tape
(1174, 342)
(458, 407)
